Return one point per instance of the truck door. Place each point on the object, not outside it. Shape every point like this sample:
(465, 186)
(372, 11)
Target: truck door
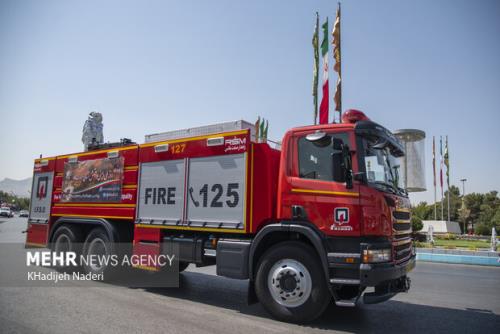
(320, 191)
(41, 199)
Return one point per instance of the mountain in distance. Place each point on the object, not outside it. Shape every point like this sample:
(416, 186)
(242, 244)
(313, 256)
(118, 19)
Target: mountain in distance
(20, 188)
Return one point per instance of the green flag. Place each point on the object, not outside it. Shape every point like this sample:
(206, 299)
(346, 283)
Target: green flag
(264, 135)
(262, 128)
(447, 162)
(257, 128)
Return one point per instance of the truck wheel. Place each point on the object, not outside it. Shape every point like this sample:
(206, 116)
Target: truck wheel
(183, 266)
(98, 244)
(67, 239)
(290, 283)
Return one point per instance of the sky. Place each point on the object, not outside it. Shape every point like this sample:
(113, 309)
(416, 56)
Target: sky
(153, 66)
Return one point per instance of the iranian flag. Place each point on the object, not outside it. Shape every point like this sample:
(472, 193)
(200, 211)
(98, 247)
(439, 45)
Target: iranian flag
(323, 108)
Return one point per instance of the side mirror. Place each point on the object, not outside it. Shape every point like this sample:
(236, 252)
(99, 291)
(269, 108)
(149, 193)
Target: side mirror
(341, 163)
(346, 153)
(338, 144)
(361, 177)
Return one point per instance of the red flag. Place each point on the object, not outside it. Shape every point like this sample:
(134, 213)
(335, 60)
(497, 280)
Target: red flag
(441, 164)
(434, 158)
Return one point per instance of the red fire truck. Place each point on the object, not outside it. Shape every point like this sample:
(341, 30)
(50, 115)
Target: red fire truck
(321, 218)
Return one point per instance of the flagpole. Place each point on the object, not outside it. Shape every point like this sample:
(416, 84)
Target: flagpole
(434, 170)
(340, 70)
(315, 43)
(441, 175)
(448, 176)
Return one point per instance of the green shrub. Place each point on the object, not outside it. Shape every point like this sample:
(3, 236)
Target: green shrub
(448, 236)
(420, 244)
(416, 223)
(482, 229)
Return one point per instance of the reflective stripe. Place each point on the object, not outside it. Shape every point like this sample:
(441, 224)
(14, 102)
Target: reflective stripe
(344, 281)
(325, 192)
(344, 255)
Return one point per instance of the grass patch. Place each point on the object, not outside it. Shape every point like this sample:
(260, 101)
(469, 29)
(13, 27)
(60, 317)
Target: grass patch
(453, 244)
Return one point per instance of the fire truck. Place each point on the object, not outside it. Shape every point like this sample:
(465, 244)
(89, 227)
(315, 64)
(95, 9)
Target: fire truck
(321, 218)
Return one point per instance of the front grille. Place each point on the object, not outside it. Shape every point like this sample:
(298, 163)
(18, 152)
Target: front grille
(401, 215)
(402, 251)
(402, 226)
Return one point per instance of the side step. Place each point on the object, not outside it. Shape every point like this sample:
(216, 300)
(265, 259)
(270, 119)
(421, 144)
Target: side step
(346, 303)
(346, 281)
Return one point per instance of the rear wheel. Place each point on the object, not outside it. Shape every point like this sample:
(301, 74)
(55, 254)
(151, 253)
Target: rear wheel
(98, 246)
(183, 266)
(290, 283)
(67, 239)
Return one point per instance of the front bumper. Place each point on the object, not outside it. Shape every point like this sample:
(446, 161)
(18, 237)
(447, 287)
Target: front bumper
(375, 274)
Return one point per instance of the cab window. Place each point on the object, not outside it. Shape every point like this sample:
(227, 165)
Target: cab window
(315, 160)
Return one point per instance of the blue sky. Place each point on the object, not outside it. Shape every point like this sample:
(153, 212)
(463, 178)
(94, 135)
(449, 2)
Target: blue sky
(151, 66)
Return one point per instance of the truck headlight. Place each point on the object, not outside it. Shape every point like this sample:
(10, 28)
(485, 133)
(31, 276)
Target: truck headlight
(376, 255)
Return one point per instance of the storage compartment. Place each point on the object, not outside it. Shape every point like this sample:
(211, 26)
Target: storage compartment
(189, 249)
(232, 258)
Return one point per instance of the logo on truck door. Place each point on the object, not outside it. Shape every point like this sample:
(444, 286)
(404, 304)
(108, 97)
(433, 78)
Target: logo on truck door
(41, 187)
(341, 220)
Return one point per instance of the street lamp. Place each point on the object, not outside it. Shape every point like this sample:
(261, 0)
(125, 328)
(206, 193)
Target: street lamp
(463, 187)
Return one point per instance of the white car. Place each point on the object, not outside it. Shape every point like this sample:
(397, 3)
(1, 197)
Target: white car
(6, 212)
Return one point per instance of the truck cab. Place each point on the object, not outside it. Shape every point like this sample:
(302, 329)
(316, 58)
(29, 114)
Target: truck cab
(342, 180)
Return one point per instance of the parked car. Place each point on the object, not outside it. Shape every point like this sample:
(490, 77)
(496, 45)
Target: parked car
(23, 213)
(6, 212)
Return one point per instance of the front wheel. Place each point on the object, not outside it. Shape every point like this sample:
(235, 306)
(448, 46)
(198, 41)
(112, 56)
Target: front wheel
(290, 283)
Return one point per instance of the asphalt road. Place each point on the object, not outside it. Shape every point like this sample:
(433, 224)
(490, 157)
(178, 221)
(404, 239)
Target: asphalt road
(443, 298)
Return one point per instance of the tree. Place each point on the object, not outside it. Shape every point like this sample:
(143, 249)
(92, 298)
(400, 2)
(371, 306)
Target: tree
(482, 210)
(473, 202)
(455, 203)
(486, 214)
(496, 220)
(416, 223)
(423, 211)
(464, 214)
(17, 203)
(482, 229)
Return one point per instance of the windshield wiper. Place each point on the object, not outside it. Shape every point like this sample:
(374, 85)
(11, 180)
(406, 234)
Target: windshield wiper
(388, 187)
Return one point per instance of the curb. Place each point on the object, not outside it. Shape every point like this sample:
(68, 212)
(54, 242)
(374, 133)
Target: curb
(476, 259)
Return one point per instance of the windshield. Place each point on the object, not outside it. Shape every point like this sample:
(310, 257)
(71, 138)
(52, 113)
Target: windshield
(381, 166)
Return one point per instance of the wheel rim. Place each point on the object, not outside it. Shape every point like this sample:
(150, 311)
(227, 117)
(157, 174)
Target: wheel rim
(97, 247)
(62, 244)
(289, 282)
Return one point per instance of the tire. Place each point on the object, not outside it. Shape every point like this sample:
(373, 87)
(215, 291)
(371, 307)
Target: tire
(281, 293)
(67, 239)
(183, 266)
(99, 243)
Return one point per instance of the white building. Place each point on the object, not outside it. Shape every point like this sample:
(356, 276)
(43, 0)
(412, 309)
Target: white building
(441, 226)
